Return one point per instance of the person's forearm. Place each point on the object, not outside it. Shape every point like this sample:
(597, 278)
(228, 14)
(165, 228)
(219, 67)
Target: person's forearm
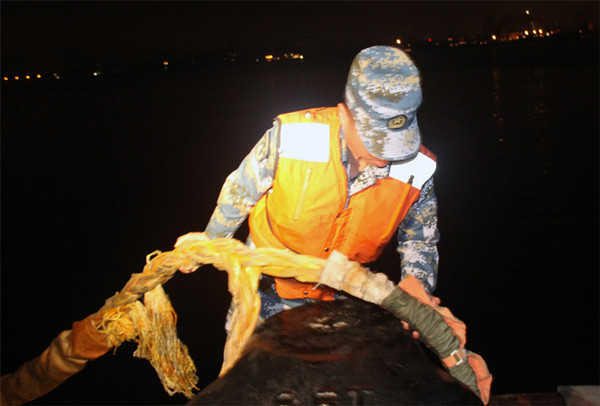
(244, 187)
(225, 220)
(418, 237)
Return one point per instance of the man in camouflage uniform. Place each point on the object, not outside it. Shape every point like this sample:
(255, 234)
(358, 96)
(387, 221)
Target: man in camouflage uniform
(382, 95)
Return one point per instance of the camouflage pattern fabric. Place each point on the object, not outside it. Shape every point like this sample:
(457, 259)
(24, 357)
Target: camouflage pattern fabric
(383, 92)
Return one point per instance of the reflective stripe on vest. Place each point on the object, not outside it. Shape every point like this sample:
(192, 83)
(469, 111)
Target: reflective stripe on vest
(307, 209)
(304, 141)
(420, 167)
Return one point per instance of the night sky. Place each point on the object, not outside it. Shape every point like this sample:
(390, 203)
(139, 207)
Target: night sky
(36, 35)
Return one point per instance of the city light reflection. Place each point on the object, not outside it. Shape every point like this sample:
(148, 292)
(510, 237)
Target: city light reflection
(528, 27)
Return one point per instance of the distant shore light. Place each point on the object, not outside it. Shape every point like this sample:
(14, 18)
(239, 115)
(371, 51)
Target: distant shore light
(494, 37)
(5, 78)
(16, 78)
(38, 76)
(398, 41)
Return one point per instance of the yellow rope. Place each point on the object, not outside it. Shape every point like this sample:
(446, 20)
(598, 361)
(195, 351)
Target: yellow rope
(152, 325)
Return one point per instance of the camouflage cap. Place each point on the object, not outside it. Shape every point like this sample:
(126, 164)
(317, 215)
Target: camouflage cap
(383, 92)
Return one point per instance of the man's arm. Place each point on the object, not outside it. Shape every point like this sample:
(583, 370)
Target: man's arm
(244, 187)
(418, 237)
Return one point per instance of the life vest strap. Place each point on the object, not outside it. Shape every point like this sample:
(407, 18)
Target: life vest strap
(456, 357)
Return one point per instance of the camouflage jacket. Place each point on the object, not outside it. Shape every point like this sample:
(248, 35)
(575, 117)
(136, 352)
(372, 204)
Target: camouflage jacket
(417, 235)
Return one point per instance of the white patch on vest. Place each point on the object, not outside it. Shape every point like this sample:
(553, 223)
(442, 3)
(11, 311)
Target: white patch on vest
(421, 167)
(305, 141)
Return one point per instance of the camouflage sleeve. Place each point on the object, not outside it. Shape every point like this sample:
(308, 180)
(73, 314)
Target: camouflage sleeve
(418, 236)
(244, 187)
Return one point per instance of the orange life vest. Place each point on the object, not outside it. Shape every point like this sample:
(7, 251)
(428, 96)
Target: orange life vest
(307, 210)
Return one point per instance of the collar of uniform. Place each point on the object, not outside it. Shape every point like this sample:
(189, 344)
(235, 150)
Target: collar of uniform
(367, 176)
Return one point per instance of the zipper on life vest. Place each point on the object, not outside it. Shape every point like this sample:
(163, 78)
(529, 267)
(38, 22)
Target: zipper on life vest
(302, 196)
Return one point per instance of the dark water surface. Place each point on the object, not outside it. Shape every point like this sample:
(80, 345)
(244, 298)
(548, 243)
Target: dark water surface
(96, 175)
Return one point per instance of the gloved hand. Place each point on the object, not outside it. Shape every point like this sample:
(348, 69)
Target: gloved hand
(190, 237)
(433, 302)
